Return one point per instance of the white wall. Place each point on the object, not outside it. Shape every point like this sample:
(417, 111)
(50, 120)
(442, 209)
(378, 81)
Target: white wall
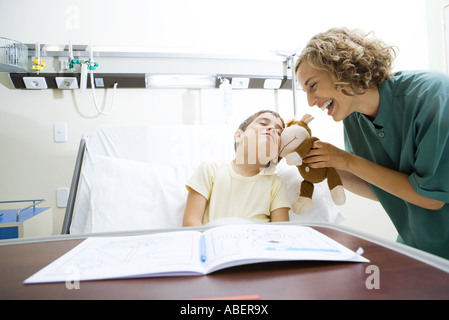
(33, 166)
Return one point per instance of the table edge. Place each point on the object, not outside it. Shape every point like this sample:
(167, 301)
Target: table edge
(425, 257)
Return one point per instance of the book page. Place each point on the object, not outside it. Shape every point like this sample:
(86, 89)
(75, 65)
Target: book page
(130, 256)
(235, 245)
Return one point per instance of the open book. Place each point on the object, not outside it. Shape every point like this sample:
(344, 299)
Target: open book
(191, 252)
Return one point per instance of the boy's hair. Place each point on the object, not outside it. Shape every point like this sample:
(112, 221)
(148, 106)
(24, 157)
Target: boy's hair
(251, 118)
(353, 59)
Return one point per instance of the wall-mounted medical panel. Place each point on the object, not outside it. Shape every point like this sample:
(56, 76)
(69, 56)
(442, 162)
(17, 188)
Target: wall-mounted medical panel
(137, 80)
(107, 79)
(70, 67)
(158, 61)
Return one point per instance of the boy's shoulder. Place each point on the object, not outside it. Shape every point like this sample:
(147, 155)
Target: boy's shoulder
(211, 164)
(211, 167)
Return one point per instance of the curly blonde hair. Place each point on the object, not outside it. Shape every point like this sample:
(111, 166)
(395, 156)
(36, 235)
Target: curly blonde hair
(352, 58)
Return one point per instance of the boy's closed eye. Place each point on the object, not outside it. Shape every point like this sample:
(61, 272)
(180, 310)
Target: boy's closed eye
(267, 123)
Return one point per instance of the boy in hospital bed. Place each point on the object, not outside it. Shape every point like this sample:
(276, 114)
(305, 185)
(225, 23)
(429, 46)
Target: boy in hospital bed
(247, 187)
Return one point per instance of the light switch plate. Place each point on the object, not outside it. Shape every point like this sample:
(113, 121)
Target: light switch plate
(60, 132)
(99, 82)
(62, 196)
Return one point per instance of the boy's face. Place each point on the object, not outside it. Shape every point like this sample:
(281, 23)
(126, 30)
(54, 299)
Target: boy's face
(261, 139)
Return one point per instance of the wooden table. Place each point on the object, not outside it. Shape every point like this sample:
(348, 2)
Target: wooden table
(400, 276)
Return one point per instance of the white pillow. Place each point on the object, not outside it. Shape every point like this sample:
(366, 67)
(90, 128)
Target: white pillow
(324, 209)
(134, 195)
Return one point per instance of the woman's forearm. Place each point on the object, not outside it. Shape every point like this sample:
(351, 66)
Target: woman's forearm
(356, 185)
(393, 182)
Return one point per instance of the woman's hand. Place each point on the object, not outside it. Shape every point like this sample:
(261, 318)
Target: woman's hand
(324, 155)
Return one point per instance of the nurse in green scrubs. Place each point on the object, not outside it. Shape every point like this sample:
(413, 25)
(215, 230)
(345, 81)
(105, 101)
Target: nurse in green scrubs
(396, 131)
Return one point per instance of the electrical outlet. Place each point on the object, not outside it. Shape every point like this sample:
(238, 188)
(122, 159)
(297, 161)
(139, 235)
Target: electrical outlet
(272, 83)
(35, 83)
(240, 83)
(66, 82)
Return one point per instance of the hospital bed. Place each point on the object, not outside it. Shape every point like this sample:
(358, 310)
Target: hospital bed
(133, 177)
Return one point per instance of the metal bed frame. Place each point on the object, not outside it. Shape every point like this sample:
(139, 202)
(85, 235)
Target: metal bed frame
(74, 188)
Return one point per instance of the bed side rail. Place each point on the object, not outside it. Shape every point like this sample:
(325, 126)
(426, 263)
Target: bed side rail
(74, 188)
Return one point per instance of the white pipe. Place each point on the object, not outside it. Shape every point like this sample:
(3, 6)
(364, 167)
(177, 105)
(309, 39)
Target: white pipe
(83, 81)
(295, 99)
(38, 56)
(111, 108)
(92, 84)
(70, 52)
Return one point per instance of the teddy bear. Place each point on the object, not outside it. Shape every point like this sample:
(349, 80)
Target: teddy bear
(296, 141)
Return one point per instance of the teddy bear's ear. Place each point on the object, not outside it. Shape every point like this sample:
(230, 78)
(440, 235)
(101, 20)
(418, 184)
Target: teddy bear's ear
(290, 122)
(307, 118)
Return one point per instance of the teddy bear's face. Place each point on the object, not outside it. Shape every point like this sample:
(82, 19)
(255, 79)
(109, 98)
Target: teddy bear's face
(291, 138)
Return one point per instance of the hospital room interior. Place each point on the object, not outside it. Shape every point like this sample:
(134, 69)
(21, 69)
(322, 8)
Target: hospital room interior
(218, 62)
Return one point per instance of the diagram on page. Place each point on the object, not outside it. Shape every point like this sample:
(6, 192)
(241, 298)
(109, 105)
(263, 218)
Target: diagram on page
(255, 238)
(116, 253)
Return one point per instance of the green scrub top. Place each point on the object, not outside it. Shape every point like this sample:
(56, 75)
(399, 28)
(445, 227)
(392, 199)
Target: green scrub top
(410, 134)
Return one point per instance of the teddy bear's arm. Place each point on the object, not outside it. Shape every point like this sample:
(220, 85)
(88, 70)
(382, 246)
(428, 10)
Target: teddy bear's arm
(304, 147)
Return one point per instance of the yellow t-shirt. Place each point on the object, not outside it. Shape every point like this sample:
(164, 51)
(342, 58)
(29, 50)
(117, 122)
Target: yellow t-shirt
(229, 194)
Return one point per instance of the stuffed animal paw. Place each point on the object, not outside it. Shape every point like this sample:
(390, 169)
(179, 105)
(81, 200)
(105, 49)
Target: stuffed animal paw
(338, 195)
(293, 159)
(302, 204)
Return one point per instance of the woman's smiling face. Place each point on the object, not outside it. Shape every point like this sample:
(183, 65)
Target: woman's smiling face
(322, 92)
